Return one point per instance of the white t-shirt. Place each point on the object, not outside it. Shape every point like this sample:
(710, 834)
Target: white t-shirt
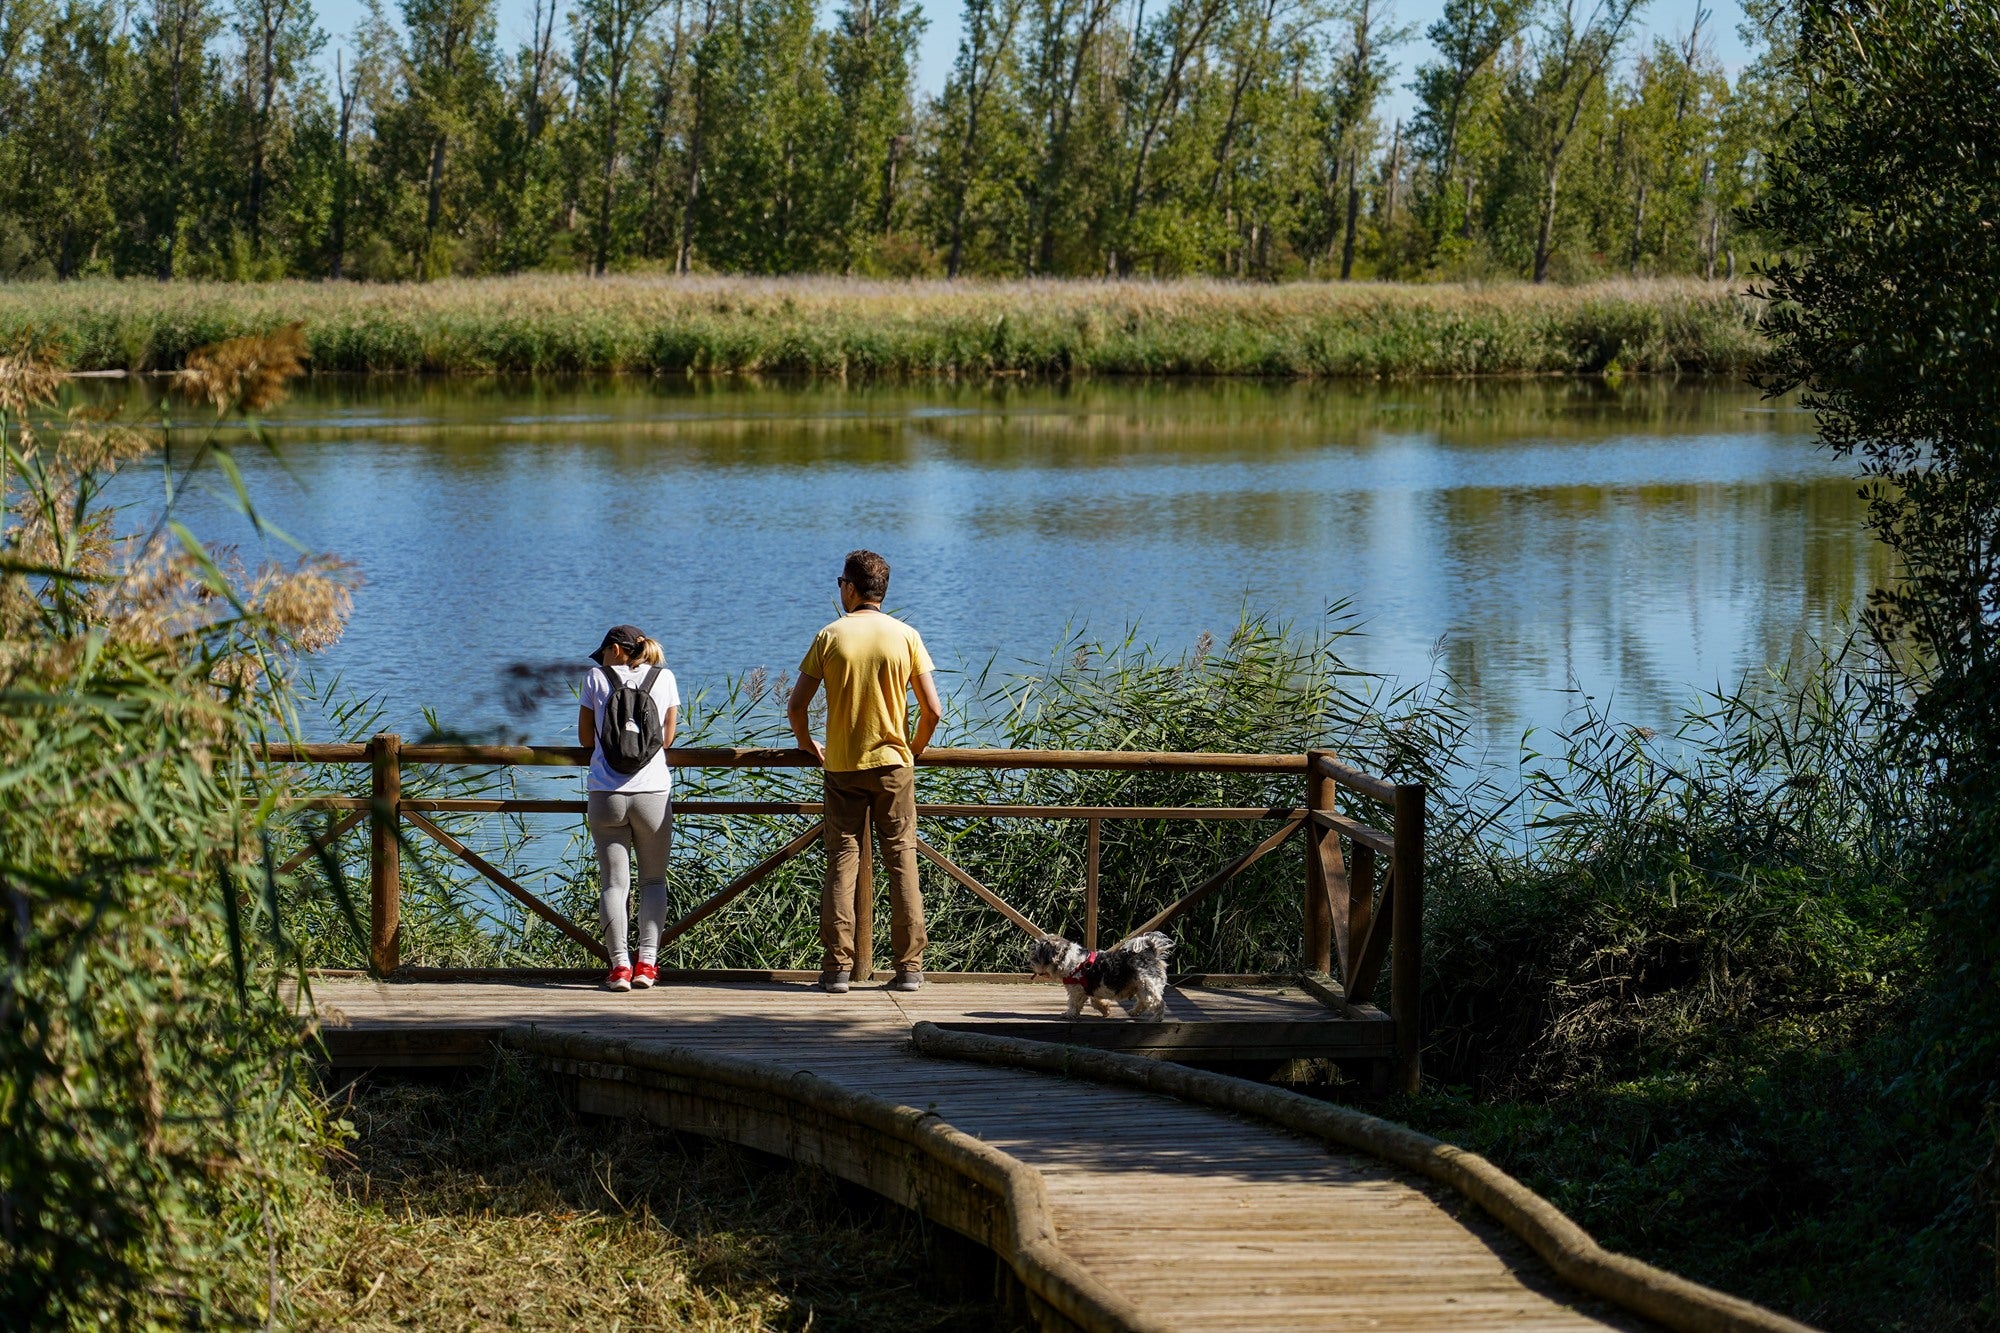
(655, 776)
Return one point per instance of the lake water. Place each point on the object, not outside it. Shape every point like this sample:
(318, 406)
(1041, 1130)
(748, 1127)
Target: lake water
(1641, 542)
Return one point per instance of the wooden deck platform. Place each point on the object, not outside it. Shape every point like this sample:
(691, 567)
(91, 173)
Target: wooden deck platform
(418, 1024)
(1197, 1218)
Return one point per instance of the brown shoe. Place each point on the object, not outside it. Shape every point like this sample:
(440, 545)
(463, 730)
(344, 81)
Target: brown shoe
(913, 979)
(834, 982)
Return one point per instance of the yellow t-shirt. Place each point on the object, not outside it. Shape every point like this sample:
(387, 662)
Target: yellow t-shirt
(867, 660)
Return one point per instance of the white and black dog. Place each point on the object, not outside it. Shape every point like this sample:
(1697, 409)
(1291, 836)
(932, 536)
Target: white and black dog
(1133, 973)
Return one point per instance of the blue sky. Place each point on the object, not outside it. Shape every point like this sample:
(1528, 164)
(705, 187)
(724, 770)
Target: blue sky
(1666, 18)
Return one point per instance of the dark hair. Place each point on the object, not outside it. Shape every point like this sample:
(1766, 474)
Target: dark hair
(868, 573)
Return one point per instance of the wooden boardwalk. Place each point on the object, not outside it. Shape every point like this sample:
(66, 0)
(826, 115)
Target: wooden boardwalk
(1198, 1218)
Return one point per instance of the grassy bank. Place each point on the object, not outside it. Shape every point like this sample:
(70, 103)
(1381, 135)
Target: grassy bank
(834, 327)
(484, 1203)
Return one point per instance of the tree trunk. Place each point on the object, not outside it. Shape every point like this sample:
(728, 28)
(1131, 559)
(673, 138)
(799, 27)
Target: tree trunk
(608, 184)
(1395, 178)
(1353, 212)
(1546, 230)
(1638, 231)
(434, 208)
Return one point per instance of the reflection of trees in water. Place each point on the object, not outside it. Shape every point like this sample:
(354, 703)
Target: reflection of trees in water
(747, 421)
(1655, 591)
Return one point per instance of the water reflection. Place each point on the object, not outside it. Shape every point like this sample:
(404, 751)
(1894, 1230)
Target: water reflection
(1640, 540)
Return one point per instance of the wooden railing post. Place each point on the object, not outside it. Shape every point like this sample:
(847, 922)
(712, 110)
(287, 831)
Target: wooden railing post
(864, 903)
(1317, 953)
(1406, 941)
(1092, 860)
(385, 862)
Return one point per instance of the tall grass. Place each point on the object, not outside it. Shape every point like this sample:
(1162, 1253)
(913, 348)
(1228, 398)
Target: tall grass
(156, 1119)
(845, 328)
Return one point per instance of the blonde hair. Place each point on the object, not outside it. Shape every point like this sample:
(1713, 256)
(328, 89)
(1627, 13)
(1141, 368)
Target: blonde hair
(649, 653)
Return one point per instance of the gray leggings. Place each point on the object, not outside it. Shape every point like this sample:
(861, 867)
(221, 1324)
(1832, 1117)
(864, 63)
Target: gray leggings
(625, 825)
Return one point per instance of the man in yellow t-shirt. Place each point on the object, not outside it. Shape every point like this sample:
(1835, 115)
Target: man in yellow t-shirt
(869, 661)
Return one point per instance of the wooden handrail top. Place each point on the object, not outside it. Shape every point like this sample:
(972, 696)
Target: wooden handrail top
(1352, 778)
(577, 756)
(975, 810)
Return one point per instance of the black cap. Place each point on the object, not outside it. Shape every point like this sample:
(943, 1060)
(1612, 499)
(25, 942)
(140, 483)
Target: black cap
(628, 637)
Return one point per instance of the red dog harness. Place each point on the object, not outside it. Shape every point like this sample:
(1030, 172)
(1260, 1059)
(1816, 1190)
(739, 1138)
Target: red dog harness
(1086, 974)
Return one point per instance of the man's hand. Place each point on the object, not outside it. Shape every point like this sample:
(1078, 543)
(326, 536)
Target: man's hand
(930, 711)
(798, 714)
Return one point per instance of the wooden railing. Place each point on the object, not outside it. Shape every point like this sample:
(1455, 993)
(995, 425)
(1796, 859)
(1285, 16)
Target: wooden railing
(1361, 905)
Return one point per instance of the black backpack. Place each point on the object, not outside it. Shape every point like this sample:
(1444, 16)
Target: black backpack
(630, 734)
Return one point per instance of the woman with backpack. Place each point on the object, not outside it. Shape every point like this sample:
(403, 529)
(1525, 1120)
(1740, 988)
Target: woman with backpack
(630, 704)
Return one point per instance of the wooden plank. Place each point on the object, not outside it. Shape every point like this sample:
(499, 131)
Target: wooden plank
(493, 873)
(1364, 834)
(1212, 1040)
(758, 757)
(1321, 897)
(935, 810)
(1354, 778)
(1407, 917)
(721, 897)
(324, 840)
(1092, 862)
(1374, 945)
(1324, 989)
(978, 890)
(385, 866)
(1360, 903)
(1218, 879)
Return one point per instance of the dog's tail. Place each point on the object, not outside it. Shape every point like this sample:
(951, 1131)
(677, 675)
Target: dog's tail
(1153, 945)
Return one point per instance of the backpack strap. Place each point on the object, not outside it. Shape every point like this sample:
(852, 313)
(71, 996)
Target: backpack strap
(610, 683)
(646, 685)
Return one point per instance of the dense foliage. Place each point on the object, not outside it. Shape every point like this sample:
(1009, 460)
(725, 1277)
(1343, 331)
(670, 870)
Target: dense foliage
(153, 1126)
(1889, 319)
(204, 138)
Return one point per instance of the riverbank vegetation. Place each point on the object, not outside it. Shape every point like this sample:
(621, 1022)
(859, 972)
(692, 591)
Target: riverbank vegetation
(834, 327)
(1088, 138)
(157, 1121)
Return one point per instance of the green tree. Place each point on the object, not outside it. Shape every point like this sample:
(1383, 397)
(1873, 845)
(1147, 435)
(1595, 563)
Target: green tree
(59, 145)
(609, 36)
(871, 57)
(978, 96)
(448, 88)
(279, 39)
(1570, 57)
(1359, 77)
(1885, 311)
(1451, 91)
(166, 140)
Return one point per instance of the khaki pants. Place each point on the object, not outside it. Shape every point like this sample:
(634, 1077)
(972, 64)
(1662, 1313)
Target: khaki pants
(890, 795)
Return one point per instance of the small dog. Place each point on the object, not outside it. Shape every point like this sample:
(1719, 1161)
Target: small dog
(1133, 973)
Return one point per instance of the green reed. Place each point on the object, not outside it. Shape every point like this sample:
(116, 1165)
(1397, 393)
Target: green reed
(156, 1123)
(850, 328)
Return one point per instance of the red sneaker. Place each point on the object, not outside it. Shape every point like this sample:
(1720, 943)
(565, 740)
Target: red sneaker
(644, 975)
(619, 978)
